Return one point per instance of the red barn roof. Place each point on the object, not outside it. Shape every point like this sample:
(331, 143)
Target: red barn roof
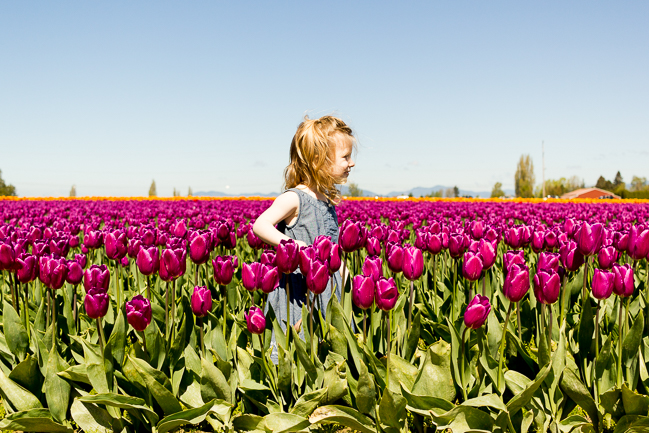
(589, 193)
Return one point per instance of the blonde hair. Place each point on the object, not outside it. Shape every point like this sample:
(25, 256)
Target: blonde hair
(313, 150)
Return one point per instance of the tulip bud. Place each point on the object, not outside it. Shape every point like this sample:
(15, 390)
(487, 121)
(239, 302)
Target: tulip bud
(472, 266)
(317, 277)
(571, 258)
(512, 258)
(138, 312)
(200, 246)
(363, 291)
(322, 245)
(52, 272)
(413, 263)
(638, 242)
(351, 236)
(7, 256)
(179, 229)
(224, 267)
(373, 246)
(386, 294)
(624, 282)
(115, 244)
(394, 255)
(603, 283)
(96, 277)
(253, 240)
(477, 311)
(74, 274)
(538, 241)
(306, 256)
(96, 303)
(250, 276)
(607, 256)
(60, 245)
(373, 267)
(93, 239)
(517, 282)
(134, 246)
(514, 237)
(621, 241)
(201, 301)
(268, 258)
(434, 243)
(27, 268)
(457, 244)
(172, 263)
(549, 261)
(269, 278)
(148, 261)
(547, 286)
(487, 251)
(477, 229)
(255, 320)
(589, 238)
(287, 256)
(335, 260)
(550, 240)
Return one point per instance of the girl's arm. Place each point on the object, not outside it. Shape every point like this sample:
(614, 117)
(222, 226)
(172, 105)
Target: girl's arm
(285, 205)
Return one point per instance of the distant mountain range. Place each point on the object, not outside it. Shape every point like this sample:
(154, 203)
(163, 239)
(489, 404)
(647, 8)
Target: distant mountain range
(416, 192)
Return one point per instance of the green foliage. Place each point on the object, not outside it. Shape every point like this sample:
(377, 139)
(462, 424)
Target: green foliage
(558, 187)
(354, 190)
(5, 189)
(524, 177)
(153, 192)
(73, 191)
(497, 190)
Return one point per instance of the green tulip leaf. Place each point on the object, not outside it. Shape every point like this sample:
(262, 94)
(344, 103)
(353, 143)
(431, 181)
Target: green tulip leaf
(191, 416)
(27, 375)
(344, 416)
(413, 337)
(435, 378)
(248, 423)
(579, 393)
(632, 340)
(521, 399)
(213, 383)
(132, 404)
(90, 417)
(634, 403)
(285, 422)
(34, 420)
(160, 393)
(365, 391)
(15, 332)
(464, 419)
(488, 400)
(426, 405)
(586, 329)
(18, 397)
(116, 344)
(308, 402)
(392, 411)
(57, 389)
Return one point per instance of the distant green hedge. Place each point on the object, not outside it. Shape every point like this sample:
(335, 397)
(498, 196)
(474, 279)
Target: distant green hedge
(634, 194)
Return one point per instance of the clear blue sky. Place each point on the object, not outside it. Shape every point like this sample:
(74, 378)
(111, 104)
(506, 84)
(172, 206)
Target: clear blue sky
(110, 95)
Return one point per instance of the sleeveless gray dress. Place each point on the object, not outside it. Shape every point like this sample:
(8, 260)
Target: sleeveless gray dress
(315, 218)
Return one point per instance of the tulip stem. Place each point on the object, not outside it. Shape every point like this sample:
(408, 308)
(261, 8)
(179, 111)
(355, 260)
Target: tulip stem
(550, 326)
(597, 330)
(563, 301)
(462, 378)
(27, 310)
(344, 276)
(173, 309)
(620, 329)
(288, 310)
(12, 289)
(434, 283)
(313, 346)
(167, 311)
(518, 320)
(454, 291)
(502, 345)
(412, 304)
(200, 328)
(484, 288)
(364, 327)
(117, 294)
(224, 290)
(54, 319)
(387, 377)
(75, 314)
(148, 287)
(101, 336)
(584, 294)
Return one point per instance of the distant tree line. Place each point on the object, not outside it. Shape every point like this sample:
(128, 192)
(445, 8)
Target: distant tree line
(5, 189)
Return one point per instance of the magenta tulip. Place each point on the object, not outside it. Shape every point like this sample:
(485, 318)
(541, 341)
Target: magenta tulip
(373, 267)
(624, 281)
(201, 301)
(413, 263)
(373, 246)
(224, 267)
(571, 258)
(52, 272)
(487, 251)
(549, 261)
(386, 294)
(517, 282)
(138, 312)
(472, 266)
(268, 258)
(250, 276)
(148, 261)
(638, 242)
(547, 286)
(607, 256)
(75, 272)
(317, 277)
(513, 258)
(96, 303)
(476, 312)
(200, 246)
(335, 258)
(287, 256)
(96, 277)
(394, 255)
(603, 283)
(115, 242)
(27, 268)
(269, 278)
(255, 320)
(589, 238)
(363, 291)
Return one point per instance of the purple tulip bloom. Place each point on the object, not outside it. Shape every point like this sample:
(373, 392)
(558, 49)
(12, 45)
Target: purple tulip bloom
(306, 256)
(250, 276)
(172, 263)
(268, 258)
(373, 246)
(201, 301)
(549, 261)
(607, 256)
(335, 258)
(547, 286)
(96, 277)
(317, 277)
(269, 278)
(589, 238)
(638, 242)
(96, 303)
(413, 263)
(487, 251)
(517, 282)
(224, 267)
(571, 258)
(7, 256)
(52, 272)
(148, 261)
(624, 282)
(138, 312)
(200, 246)
(27, 268)
(513, 258)
(363, 291)
(75, 272)
(255, 320)
(472, 266)
(115, 242)
(603, 283)
(287, 256)
(477, 311)
(394, 255)
(373, 267)
(386, 294)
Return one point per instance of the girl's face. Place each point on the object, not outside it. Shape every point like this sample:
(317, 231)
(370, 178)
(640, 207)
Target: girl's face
(343, 161)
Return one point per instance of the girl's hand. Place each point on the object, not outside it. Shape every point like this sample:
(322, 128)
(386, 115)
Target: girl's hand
(284, 206)
(301, 244)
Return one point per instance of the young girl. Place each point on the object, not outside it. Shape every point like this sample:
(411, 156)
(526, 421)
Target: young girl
(320, 158)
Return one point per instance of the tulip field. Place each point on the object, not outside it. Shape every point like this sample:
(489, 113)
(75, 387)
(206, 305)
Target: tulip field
(134, 315)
